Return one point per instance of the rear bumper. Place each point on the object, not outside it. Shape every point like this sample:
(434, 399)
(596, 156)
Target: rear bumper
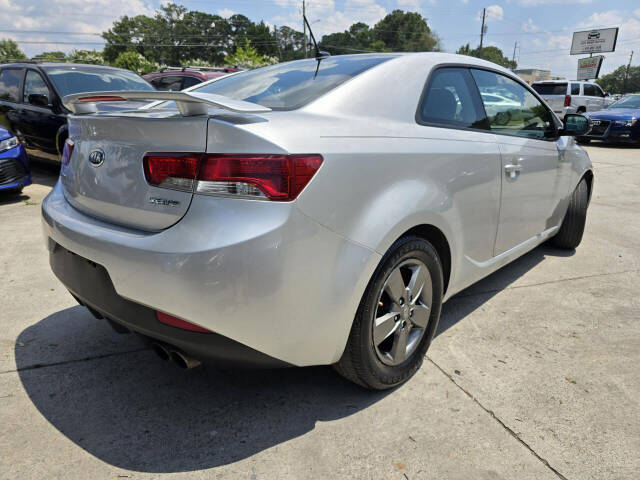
(91, 285)
(259, 273)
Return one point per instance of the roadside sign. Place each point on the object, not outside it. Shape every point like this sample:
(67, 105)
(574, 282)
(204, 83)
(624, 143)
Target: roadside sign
(594, 41)
(589, 68)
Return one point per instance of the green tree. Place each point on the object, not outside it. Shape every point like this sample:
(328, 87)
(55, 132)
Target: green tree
(406, 31)
(491, 54)
(135, 62)
(614, 82)
(397, 32)
(55, 56)
(9, 51)
(86, 56)
(248, 57)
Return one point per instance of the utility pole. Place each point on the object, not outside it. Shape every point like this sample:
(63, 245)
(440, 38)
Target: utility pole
(626, 75)
(304, 29)
(513, 59)
(484, 12)
(275, 34)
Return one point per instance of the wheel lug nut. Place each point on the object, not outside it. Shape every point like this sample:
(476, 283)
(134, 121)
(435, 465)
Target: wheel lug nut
(397, 317)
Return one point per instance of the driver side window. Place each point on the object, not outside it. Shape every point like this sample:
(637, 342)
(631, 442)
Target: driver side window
(34, 85)
(511, 108)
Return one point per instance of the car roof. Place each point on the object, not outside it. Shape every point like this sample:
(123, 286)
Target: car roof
(45, 65)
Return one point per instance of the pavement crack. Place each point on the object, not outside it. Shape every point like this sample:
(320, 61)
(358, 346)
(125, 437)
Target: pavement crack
(76, 360)
(560, 280)
(544, 461)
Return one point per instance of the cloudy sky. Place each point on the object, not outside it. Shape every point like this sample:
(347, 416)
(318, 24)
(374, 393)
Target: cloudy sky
(542, 28)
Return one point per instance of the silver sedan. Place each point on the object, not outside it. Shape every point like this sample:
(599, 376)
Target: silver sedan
(317, 212)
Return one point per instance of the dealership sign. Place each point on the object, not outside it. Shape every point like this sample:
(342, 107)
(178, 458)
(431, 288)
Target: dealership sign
(594, 41)
(589, 68)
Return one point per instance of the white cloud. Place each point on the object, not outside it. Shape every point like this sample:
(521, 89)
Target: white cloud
(325, 17)
(529, 26)
(78, 16)
(225, 12)
(493, 12)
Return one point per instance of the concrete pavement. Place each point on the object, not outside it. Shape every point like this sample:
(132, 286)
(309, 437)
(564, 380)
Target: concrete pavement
(533, 375)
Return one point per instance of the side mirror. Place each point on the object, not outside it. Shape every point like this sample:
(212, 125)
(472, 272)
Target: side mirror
(38, 100)
(606, 94)
(575, 125)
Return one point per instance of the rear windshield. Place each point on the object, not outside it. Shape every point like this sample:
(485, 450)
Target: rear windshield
(550, 88)
(69, 80)
(287, 86)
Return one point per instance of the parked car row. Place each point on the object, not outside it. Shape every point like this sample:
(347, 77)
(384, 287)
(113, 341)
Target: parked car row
(179, 78)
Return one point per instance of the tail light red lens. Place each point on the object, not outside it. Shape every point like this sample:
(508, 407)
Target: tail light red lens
(67, 151)
(179, 323)
(171, 170)
(272, 177)
(276, 177)
(102, 98)
(567, 100)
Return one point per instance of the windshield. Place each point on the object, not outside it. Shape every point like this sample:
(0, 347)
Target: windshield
(630, 101)
(550, 88)
(69, 80)
(287, 86)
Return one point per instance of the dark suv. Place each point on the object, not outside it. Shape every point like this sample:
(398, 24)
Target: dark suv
(179, 78)
(30, 99)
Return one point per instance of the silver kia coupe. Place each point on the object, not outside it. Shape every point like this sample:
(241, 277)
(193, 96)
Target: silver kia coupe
(316, 212)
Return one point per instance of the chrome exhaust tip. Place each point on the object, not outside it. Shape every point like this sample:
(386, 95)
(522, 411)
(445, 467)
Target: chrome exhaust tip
(183, 360)
(161, 351)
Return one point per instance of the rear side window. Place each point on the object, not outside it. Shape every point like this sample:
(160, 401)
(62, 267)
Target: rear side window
(190, 82)
(448, 100)
(169, 83)
(10, 79)
(575, 89)
(518, 112)
(550, 88)
(290, 85)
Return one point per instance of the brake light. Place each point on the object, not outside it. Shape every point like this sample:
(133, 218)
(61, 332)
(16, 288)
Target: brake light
(67, 151)
(102, 98)
(275, 177)
(176, 171)
(567, 100)
(179, 323)
(270, 177)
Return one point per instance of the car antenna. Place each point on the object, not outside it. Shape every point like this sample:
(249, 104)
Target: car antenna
(320, 54)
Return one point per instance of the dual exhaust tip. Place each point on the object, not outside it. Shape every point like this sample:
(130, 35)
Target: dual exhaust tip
(168, 353)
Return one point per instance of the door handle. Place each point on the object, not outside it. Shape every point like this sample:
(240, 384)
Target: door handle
(512, 170)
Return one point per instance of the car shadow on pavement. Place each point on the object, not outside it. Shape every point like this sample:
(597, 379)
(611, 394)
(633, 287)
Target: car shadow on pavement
(7, 198)
(137, 412)
(468, 300)
(130, 409)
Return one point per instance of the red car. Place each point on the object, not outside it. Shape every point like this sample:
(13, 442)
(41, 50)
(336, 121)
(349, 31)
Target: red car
(179, 78)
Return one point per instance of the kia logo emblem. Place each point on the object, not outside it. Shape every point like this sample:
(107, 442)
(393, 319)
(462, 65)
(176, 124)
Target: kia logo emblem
(96, 158)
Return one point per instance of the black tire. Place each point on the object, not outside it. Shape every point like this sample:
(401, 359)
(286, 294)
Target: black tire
(360, 363)
(570, 234)
(583, 140)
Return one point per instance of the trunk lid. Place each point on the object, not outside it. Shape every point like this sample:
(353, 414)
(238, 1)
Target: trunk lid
(116, 189)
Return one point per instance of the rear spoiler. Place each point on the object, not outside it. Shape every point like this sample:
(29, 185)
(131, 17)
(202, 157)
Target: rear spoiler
(189, 103)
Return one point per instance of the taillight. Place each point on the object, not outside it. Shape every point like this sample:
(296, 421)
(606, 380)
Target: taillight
(269, 177)
(179, 323)
(176, 171)
(275, 177)
(567, 100)
(67, 151)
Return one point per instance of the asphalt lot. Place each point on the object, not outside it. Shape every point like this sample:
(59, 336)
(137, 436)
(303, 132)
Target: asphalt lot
(533, 375)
